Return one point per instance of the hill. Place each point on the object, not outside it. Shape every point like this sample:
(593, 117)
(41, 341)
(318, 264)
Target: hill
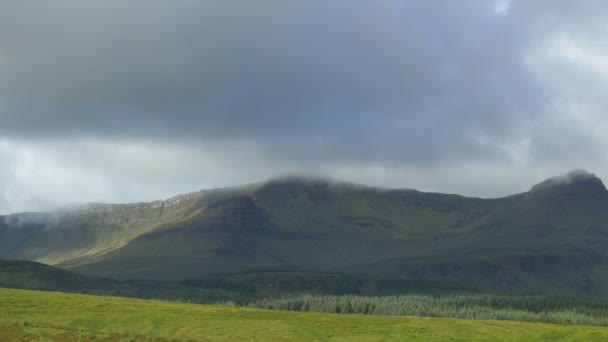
(552, 238)
(36, 276)
(69, 317)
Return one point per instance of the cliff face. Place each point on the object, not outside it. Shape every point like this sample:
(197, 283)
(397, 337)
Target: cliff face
(131, 213)
(108, 214)
(121, 213)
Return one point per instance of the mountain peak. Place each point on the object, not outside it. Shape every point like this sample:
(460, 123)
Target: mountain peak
(303, 180)
(580, 180)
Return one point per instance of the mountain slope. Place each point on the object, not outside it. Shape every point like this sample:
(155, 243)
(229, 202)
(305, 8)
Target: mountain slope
(89, 230)
(294, 224)
(552, 238)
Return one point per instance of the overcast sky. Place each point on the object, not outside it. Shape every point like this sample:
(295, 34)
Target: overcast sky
(119, 101)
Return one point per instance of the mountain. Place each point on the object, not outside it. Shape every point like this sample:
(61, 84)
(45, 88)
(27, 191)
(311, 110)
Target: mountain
(552, 238)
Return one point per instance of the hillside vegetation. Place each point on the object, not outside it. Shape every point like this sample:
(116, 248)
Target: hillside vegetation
(33, 315)
(37, 276)
(322, 292)
(529, 308)
(551, 239)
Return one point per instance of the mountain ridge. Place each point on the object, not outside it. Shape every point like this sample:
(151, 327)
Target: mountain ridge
(511, 243)
(569, 178)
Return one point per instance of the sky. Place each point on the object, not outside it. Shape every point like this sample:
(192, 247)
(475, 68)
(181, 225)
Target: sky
(137, 100)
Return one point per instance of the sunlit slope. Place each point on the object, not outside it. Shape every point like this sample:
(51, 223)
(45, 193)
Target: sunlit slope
(75, 233)
(67, 317)
(90, 230)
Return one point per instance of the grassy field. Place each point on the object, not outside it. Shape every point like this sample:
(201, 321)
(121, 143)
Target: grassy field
(55, 316)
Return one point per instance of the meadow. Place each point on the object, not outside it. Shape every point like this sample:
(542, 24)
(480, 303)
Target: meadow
(54, 316)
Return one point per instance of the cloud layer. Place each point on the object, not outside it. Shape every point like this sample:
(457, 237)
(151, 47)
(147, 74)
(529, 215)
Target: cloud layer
(121, 100)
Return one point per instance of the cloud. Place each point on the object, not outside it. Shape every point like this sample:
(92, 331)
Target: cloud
(122, 100)
(48, 175)
(44, 175)
(339, 79)
(23, 219)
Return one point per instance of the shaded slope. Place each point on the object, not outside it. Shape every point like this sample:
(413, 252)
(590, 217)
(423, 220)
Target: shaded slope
(552, 238)
(37, 276)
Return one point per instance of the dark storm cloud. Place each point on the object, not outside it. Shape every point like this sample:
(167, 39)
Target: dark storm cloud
(389, 81)
(368, 81)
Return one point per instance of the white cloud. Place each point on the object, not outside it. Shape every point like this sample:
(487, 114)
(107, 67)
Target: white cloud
(502, 7)
(573, 69)
(589, 56)
(48, 174)
(36, 179)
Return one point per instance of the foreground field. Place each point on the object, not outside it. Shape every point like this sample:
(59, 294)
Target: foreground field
(54, 316)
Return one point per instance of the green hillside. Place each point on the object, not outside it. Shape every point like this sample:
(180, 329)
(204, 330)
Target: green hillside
(70, 317)
(36, 276)
(550, 239)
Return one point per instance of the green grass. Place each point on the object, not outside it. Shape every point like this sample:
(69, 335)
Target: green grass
(55, 316)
